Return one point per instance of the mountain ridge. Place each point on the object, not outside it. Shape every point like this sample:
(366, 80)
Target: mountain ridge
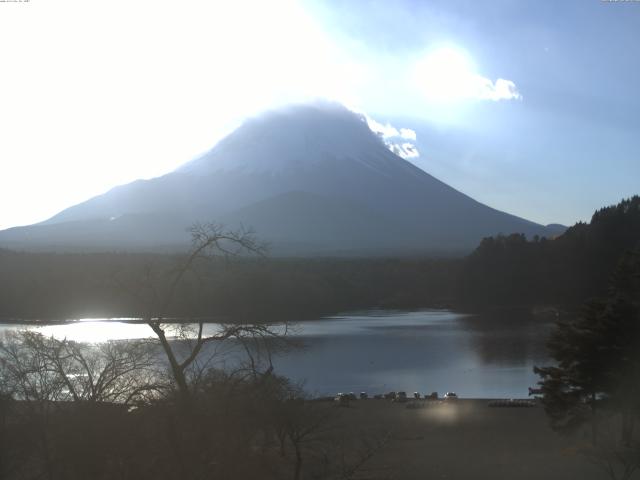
(358, 196)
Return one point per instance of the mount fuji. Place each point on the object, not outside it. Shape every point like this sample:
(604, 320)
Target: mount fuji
(309, 179)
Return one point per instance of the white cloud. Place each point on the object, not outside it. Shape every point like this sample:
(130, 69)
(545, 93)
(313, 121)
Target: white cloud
(405, 150)
(500, 90)
(384, 131)
(408, 134)
(388, 132)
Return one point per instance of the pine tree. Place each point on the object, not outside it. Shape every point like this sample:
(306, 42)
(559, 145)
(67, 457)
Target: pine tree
(598, 358)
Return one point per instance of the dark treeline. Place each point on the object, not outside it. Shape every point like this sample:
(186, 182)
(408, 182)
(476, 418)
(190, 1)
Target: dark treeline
(503, 271)
(60, 286)
(566, 270)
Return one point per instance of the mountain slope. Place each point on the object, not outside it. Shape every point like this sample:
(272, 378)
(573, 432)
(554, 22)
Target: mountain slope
(310, 179)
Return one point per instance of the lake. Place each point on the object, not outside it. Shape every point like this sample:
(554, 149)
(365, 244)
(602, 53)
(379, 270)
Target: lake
(479, 356)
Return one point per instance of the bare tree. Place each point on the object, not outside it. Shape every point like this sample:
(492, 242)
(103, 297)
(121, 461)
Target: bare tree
(27, 372)
(45, 369)
(62, 387)
(303, 426)
(315, 435)
(352, 462)
(208, 241)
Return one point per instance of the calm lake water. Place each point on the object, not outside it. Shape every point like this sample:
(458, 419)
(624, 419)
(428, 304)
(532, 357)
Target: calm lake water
(481, 356)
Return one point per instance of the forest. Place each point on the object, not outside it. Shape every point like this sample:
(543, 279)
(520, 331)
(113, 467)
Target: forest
(36, 286)
(505, 270)
(567, 270)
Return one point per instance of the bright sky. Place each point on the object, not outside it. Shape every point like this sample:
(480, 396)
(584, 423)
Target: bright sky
(530, 107)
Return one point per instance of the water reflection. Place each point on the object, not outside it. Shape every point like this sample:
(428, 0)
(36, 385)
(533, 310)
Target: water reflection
(424, 351)
(98, 330)
(489, 355)
(89, 330)
(511, 337)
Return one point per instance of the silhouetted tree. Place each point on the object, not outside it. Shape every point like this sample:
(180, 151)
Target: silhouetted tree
(597, 376)
(573, 388)
(69, 400)
(209, 240)
(45, 369)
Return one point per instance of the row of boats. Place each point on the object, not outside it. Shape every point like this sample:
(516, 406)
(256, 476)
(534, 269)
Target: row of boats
(400, 397)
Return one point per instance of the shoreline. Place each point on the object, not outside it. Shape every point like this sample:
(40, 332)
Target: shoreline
(465, 439)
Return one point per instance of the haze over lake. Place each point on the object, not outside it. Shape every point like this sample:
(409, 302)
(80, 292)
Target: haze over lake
(481, 356)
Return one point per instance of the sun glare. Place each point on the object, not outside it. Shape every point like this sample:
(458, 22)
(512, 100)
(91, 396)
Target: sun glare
(96, 331)
(446, 74)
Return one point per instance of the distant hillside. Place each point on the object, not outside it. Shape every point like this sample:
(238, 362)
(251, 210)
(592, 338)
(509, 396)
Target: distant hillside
(571, 268)
(45, 286)
(311, 180)
(555, 229)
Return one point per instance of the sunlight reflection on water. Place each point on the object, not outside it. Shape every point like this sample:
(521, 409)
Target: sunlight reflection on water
(95, 330)
(427, 350)
(98, 330)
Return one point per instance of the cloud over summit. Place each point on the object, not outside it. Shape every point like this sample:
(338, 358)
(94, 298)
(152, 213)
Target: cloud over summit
(391, 137)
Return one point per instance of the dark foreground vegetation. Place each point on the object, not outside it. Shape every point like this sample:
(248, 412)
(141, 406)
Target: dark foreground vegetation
(248, 424)
(595, 382)
(114, 411)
